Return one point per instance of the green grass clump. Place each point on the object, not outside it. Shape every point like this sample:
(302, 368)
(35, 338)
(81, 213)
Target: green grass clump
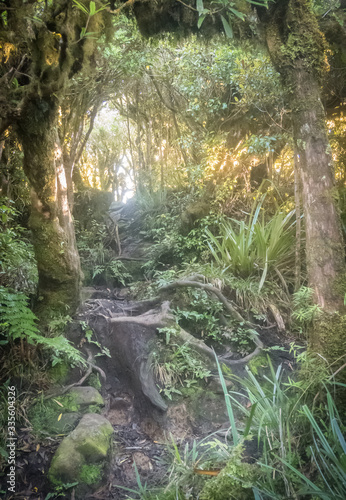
(43, 417)
(255, 364)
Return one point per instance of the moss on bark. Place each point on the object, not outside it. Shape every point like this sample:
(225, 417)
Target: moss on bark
(328, 338)
(50, 220)
(294, 38)
(297, 46)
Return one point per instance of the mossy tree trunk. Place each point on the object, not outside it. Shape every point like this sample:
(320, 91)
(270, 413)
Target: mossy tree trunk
(50, 221)
(297, 49)
(49, 50)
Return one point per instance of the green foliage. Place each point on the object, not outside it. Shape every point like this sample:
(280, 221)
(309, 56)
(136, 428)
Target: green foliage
(114, 269)
(61, 491)
(178, 366)
(227, 10)
(59, 372)
(94, 381)
(260, 144)
(210, 84)
(90, 13)
(257, 363)
(143, 492)
(248, 296)
(89, 333)
(304, 309)
(181, 462)
(234, 481)
(302, 449)
(175, 242)
(201, 316)
(286, 435)
(98, 259)
(170, 245)
(19, 322)
(18, 268)
(45, 414)
(58, 323)
(259, 248)
(325, 7)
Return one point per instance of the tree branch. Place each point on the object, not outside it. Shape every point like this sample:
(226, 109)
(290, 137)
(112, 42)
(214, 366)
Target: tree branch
(87, 135)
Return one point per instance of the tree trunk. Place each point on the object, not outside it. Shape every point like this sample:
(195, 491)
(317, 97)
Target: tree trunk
(50, 220)
(325, 253)
(297, 200)
(297, 49)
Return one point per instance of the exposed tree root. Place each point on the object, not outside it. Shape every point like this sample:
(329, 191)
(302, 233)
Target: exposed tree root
(278, 318)
(208, 288)
(151, 318)
(91, 367)
(199, 345)
(202, 348)
(246, 359)
(130, 345)
(164, 318)
(148, 384)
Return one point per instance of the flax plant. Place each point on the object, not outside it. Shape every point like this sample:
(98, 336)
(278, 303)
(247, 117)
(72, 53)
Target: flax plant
(256, 248)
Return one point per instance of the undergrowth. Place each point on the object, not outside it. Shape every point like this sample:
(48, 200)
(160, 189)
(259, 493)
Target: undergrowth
(296, 437)
(258, 247)
(177, 366)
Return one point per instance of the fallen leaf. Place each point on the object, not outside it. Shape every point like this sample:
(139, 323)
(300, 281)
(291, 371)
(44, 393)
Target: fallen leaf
(37, 447)
(59, 417)
(202, 472)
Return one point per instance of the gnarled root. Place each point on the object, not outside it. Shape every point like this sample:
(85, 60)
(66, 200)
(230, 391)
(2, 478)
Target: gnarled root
(202, 348)
(187, 282)
(151, 318)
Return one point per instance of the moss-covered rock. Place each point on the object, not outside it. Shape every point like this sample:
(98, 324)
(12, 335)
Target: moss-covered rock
(49, 417)
(83, 451)
(86, 395)
(66, 464)
(94, 381)
(91, 474)
(66, 423)
(60, 414)
(92, 437)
